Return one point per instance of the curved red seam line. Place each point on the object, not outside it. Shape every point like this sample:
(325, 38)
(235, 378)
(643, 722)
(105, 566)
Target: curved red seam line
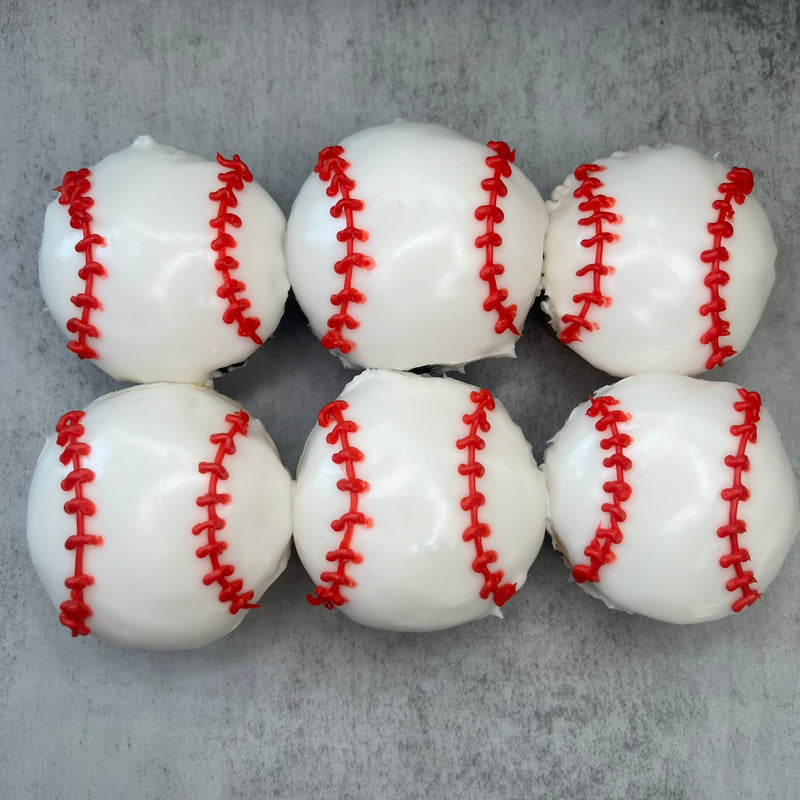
(597, 206)
(331, 167)
(477, 531)
(74, 193)
(233, 181)
(599, 551)
(75, 611)
(735, 190)
(746, 432)
(331, 595)
(231, 591)
(492, 214)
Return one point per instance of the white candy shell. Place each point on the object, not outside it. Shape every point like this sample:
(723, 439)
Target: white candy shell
(653, 236)
(414, 570)
(159, 314)
(423, 295)
(146, 446)
(667, 565)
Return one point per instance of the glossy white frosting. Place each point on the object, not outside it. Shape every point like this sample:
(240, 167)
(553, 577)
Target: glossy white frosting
(161, 317)
(664, 196)
(420, 185)
(667, 565)
(416, 572)
(146, 444)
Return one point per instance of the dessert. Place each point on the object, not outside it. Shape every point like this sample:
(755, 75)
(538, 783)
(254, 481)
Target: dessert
(660, 259)
(418, 504)
(410, 245)
(163, 266)
(672, 497)
(158, 516)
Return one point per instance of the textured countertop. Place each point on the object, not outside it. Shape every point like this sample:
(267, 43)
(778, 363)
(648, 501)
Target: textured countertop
(562, 698)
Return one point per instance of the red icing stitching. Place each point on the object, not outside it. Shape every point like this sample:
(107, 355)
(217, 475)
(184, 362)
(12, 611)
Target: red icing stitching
(500, 164)
(599, 551)
(331, 596)
(597, 206)
(231, 590)
(735, 190)
(75, 611)
(233, 181)
(747, 431)
(331, 167)
(74, 193)
(477, 531)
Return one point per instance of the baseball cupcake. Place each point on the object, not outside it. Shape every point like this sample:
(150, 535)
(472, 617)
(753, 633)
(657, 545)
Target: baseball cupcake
(162, 266)
(672, 497)
(418, 503)
(660, 259)
(410, 245)
(158, 516)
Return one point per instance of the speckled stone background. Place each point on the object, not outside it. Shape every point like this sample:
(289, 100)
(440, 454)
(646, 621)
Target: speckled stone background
(563, 698)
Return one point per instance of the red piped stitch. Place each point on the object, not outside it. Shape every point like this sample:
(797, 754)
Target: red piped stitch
(74, 193)
(599, 551)
(597, 206)
(230, 590)
(75, 611)
(500, 164)
(233, 181)
(735, 190)
(747, 431)
(331, 167)
(331, 596)
(477, 531)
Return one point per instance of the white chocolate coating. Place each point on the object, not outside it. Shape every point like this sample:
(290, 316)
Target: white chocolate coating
(420, 185)
(416, 573)
(667, 564)
(146, 446)
(664, 196)
(160, 317)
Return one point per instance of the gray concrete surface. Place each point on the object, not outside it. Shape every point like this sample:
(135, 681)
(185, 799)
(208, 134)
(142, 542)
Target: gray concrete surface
(562, 699)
